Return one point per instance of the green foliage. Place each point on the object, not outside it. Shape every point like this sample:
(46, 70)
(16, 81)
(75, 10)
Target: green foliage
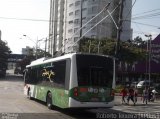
(26, 61)
(128, 51)
(4, 53)
(41, 53)
(30, 57)
(118, 88)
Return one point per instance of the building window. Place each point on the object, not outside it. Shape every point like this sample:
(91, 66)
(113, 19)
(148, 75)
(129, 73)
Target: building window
(69, 48)
(84, 0)
(94, 9)
(76, 38)
(77, 3)
(84, 28)
(84, 9)
(83, 19)
(75, 30)
(71, 22)
(70, 5)
(75, 48)
(71, 13)
(93, 36)
(69, 39)
(77, 12)
(70, 31)
(76, 21)
(93, 1)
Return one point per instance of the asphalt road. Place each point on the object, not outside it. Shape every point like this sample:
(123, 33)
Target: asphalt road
(15, 105)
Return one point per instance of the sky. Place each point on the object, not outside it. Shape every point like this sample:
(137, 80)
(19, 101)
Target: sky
(20, 17)
(31, 18)
(146, 18)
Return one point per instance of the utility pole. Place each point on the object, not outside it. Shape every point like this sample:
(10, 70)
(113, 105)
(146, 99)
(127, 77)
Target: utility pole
(81, 18)
(149, 56)
(119, 29)
(81, 24)
(45, 47)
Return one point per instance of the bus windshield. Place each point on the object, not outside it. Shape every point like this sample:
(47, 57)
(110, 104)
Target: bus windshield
(94, 70)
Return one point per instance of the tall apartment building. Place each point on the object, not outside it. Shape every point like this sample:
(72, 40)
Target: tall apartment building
(68, 16)
(0, 34)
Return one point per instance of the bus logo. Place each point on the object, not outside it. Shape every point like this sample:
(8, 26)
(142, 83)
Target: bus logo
(48, 74)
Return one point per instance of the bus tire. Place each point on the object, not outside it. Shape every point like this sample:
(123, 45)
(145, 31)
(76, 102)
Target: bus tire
(49, 100)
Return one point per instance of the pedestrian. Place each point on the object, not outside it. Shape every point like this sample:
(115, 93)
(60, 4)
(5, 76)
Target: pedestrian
(124, 94)
(130, 95)
(135, 95)
(145, 95)
(150, 95)
(154, 94)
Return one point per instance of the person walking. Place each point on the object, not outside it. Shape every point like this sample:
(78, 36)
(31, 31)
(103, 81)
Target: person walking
(145, 95)
(135, 95)
(150, 95)
(124, 94)
(154, 94)
(130, 95)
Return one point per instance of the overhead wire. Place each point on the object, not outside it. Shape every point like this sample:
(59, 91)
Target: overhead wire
(91, 27)
(130, 9)
(146, 12)
(24, 19)
(147, 16)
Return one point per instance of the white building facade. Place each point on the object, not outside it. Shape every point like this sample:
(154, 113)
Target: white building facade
(27, 51)
(68, 16)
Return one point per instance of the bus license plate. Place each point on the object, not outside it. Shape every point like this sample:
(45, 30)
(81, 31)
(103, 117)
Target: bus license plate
(94, 99)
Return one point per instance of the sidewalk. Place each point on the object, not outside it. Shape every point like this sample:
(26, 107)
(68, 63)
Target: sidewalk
(118, 101)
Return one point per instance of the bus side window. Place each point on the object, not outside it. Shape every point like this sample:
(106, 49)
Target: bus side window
(26, 76)
(60, 70)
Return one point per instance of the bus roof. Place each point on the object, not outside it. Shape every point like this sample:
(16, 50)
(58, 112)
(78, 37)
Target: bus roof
(45, 60)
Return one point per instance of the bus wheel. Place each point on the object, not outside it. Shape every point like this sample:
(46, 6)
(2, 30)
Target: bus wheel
(49, 100)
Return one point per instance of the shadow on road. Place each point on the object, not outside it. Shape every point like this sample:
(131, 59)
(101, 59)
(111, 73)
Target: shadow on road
(108, 114)
(82, 114)
(101, 113)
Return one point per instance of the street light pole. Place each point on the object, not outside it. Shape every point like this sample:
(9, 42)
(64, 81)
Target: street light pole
(45, 48)
(29, 39)
(36, 43)
(118, 27)
(149, 56)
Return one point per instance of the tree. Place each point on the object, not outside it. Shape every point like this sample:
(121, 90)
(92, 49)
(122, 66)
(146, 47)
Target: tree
(41, 53)
(127, 52)
(138, 41)
(4, 53)
(31, 57)
(25, 61)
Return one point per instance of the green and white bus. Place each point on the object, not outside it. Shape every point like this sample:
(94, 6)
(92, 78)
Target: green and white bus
(71, 81)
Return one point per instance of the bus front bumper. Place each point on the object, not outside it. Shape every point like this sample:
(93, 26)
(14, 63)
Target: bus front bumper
(77, 104)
